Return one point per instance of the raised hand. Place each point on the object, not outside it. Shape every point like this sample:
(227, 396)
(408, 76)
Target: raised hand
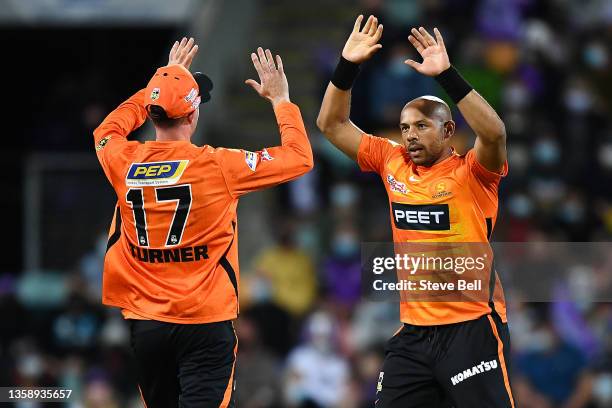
(272, 83)
(433, 51)
(183, 52)
(363, 43)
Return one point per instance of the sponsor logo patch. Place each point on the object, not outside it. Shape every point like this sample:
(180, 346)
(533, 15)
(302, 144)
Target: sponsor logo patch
(196, 102)
(484, 366)
(191, 96)
(251, 159)
(155, 173)
(380, 380)
(396, 186)
(155, 94)
(265, 156)
(421, 217)
(102, 143)
(440, 190)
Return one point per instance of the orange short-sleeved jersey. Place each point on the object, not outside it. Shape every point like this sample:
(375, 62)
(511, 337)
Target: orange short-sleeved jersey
(172, 253)
(452, 201)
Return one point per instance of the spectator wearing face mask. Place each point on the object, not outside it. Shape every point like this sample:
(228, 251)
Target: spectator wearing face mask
(551, 373)
(317, 375)
(342, 269)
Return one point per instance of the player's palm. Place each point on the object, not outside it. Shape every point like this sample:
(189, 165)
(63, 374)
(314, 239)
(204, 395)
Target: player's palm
(272, 83)
(363, 43)
(433, 51)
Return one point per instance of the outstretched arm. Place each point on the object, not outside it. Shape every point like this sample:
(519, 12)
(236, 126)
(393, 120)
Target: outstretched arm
(131, 114)
(490, 146)
(246, 171)
(273, 86)
(333, 119)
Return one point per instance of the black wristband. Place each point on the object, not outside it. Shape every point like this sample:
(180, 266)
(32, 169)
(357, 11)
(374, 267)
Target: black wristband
(345, 74)
(454, 84)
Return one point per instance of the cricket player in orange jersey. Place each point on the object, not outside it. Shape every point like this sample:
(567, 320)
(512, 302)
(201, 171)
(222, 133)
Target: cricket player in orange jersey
(172, 258)
(447, 354)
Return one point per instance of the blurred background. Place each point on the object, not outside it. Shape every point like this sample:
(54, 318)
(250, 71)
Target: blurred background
(306, 338)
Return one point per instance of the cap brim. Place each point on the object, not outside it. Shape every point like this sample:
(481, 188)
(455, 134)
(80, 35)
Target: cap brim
(205, 84)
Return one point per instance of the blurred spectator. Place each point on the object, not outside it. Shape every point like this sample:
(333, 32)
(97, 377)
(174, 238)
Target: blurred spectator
(99, 394)
(393, 84)
(257, 370)
(551, 373)
(77, 327)
(289, 271)
(367, 369)
(342, 270)
(316, 375)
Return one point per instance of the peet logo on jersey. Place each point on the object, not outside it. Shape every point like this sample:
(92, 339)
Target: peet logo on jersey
(421, 217)
(155, 173)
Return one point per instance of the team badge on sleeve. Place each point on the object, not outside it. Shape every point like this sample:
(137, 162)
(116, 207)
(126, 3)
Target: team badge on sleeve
(155, 173)
(102, 143)
(265, 156)
(251, 159)
(396, 186)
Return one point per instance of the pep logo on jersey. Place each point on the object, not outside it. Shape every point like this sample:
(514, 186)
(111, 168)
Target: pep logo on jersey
(421, 217)
(155, 173)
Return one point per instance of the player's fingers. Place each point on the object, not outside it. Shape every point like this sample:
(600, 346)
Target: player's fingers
(413, 64)
(263, 60)
(182, 44)
(373, 26)
(419, 47)
(357, 25)
(173, 49)
(257, 65)
(378, 34)
(189, 44)
(183, 49)
(366, 27)
(253, 84)
(191, 54)
(270, 60)
(439, 38)
(419, 37)
(374, 48)
(428, 38)
(279, 64)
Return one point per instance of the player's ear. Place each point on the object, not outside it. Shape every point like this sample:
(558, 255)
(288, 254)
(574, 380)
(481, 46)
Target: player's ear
(192, 117)
(449, 129)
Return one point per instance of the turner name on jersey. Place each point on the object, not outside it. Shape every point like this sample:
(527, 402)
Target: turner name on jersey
(165, 255)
